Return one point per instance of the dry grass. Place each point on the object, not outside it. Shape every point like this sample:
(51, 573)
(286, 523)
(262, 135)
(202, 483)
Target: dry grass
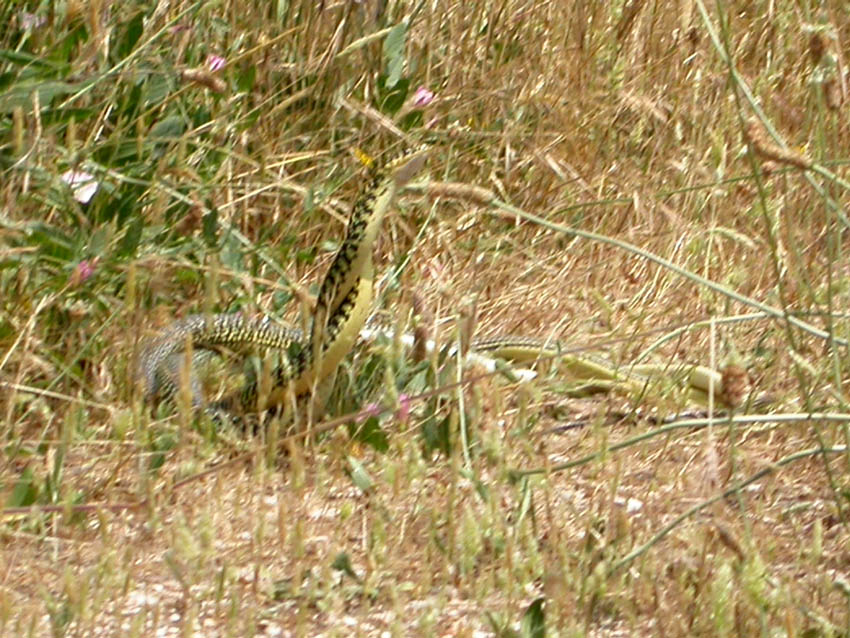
(622, 120)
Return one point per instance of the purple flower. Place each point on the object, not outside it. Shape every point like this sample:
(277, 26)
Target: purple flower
(215, 62)
(83, 185)
(82, 271)
(371, 410)
(422, 98)
(403, 411)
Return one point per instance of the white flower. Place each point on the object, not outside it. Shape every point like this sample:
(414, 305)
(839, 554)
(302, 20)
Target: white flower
(82, 184)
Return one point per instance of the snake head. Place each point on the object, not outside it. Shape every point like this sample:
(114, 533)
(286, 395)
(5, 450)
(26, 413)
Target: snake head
(404, 168)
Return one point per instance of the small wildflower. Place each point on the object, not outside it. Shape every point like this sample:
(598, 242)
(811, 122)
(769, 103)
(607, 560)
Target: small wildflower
(29, 20)
(403, 411)
(371, 410)
(83, 185)
(82, 271)
(422, 98)
(215, 62)
(363, 157)
(633, 506)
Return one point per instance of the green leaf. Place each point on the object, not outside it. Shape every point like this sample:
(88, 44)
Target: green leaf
(306, 256)
(131, 100)
(533, 623)
(24, 59)
(162, 444)
(411, 121)
(370, 433)
(68, 47)
(245, 79)
(158, 88)
(63, 114)
(99, 241)
(187, 276)
(359, 476)
(25, 492)
(132, 237)
(342, 563)
(21, 94)
(232, 254)
(210, 227)
(122, 206)
(394, 53)
(52, 242)
(436, 435)
(500, 626)
(390, 100)
(309, 200)
(130, 36)
(6, 329)
(168, 129)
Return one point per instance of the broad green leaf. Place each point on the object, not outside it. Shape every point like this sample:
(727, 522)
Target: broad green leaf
(170, 128)
(21, 94)
(533, 624)
(370, 433)
(132, 237)
(25, 491)
(390, 100)
(360, 476)
(130, 36)
(342, 563)
(394, 53)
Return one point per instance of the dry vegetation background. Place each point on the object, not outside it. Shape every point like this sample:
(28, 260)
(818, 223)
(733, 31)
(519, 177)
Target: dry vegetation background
(225, 189)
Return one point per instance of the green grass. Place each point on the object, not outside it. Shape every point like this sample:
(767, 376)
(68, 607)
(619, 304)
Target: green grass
(637, 178)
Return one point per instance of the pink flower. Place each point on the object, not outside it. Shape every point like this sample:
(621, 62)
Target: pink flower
(403, 411)
(373, 409)
(82, 271)
(422, 98)
(83, 185)
(215, 62)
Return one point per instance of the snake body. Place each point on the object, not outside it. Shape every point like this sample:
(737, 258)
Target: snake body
(342, 307)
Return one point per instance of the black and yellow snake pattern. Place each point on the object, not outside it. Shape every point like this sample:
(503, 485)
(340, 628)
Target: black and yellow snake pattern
(342, 307)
